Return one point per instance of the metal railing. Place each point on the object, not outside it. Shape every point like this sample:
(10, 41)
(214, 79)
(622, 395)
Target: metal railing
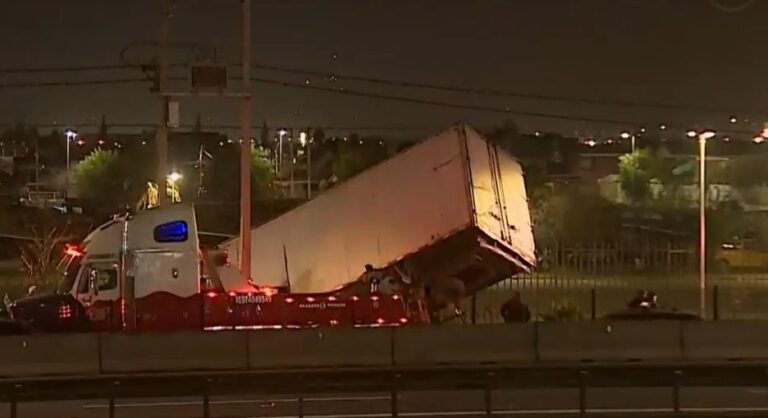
(583, 297)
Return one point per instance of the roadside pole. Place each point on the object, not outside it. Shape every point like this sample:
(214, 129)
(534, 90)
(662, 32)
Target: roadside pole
(162, 123)
(245, 148)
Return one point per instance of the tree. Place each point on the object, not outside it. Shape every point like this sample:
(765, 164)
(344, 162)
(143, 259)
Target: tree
(99, 176)
(747, 171)
(635, 174)
(223, 180)
(357, 155)
(40, 255)
(262, 174)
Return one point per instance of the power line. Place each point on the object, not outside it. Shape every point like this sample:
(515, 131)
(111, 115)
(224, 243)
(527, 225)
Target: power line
(502, 93)
(410, 84)
(75, 83)
(505, 110)
(67, 69)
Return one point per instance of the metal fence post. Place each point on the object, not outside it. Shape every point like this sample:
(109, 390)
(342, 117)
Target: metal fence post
(676, 391)
(715, 302)
(488, 395)
(583, 374)
(301, 406)
(206, 406)
(393, 397)
(111, 407)
(593, 303)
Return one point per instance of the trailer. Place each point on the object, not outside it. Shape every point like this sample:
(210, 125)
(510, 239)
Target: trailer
(450, 212)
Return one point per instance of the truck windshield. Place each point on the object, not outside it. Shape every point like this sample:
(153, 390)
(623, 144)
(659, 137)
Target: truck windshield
(69, 275)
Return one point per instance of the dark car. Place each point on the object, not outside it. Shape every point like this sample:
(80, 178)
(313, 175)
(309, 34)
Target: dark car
(49, 313)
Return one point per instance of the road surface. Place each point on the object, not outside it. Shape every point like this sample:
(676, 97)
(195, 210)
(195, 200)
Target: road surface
(637, 402)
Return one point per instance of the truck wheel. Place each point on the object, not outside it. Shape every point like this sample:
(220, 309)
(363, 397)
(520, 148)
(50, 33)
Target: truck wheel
(723, 266)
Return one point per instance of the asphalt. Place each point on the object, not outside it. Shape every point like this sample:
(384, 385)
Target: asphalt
(632, 402)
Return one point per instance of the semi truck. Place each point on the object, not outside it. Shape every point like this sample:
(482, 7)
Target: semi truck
(411, 235)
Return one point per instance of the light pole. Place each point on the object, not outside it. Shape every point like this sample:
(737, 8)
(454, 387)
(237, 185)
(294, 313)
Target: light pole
(627, 135)
(71, 136)
(703, 137)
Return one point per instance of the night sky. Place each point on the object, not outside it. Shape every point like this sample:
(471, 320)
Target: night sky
(680, 52)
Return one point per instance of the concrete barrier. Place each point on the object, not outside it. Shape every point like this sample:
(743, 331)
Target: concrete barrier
(610, 341)
(320, 348)
(726, 340)
(176, 351)
(462, 345)
(43, 355)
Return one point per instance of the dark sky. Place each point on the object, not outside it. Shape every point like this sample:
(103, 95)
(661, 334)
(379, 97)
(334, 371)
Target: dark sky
(683, 52)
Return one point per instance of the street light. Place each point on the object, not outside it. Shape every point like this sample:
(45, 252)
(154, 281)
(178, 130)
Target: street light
(703, 137)
(71, 136)
(627, 135)
(174, 176)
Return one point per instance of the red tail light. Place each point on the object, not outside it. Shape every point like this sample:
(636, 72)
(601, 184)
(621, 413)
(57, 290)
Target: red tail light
(73, 250)
(65, 311)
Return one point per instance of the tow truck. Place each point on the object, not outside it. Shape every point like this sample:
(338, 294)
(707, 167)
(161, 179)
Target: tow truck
(147, 272)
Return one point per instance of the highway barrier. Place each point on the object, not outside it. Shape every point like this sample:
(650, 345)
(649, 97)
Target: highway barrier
(49, 355)
(384, 348)
(176, 351)
(320, 348)
(463, 345)
(726, 340)
(604, 341)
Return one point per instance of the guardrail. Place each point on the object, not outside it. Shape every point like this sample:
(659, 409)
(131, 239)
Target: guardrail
(487, 356)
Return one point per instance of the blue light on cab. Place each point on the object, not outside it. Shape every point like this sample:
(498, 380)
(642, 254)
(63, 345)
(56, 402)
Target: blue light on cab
(176, 231)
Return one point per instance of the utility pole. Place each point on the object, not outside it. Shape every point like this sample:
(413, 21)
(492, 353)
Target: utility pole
(245, 148)
(309, 165)
(162, 123)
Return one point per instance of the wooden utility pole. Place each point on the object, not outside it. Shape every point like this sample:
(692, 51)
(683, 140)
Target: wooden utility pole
(245, 149)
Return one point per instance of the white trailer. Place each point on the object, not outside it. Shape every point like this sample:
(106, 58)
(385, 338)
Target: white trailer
(453, 205)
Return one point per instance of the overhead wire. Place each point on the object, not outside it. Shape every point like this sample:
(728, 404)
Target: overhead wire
(420, 85)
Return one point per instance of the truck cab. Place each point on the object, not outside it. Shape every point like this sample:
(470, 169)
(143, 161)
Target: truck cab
(136, 272)
(147, 272)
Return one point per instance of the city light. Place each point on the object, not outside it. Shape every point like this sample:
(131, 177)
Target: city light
(691, 134)
(625, 135)
(303, 138)
(707, 135)
(70, 134)
(174, 177)
(733, 119)
(663, 127)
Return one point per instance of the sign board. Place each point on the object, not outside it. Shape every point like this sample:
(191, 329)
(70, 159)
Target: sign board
(208, 77)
